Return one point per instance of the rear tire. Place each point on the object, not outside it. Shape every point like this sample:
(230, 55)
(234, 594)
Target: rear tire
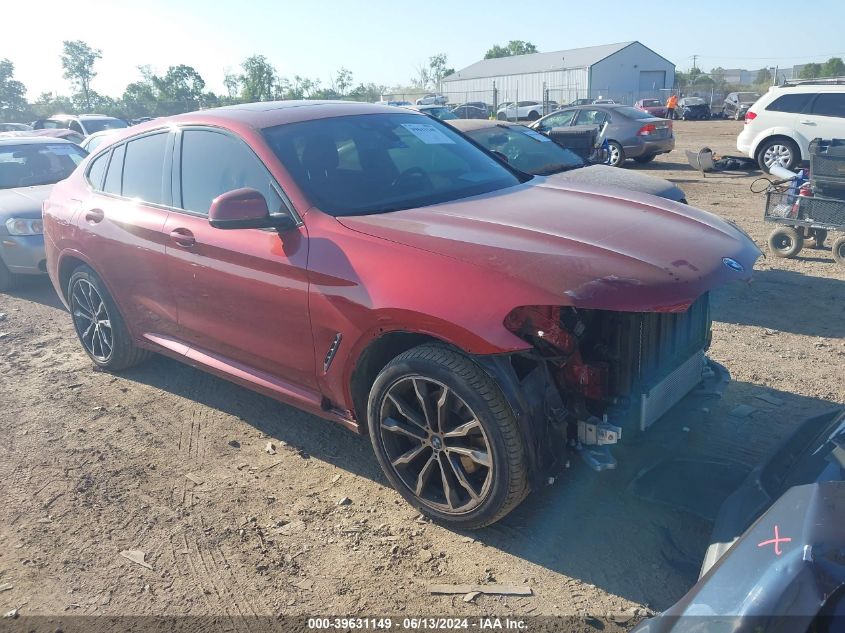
(533, 116)
(839, 250)
(642, 160)
(786, 242)
(98, 323)
(8, 279)
(617, 154)
(446, 438)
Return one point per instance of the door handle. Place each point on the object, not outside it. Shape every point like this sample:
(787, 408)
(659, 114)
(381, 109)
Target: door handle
(94, 216)
(183, 238)
(807, 122)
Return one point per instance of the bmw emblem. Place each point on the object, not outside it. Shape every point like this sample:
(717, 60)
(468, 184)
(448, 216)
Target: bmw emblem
(733, 264)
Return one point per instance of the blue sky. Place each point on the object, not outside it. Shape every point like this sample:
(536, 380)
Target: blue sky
(384, 41)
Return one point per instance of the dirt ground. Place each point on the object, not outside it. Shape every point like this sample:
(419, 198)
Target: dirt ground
(171, 461)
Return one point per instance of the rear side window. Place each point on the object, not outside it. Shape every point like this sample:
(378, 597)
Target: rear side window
(830, 104)
(214, 163)
(114, 175)
(143, 169)
(97, 171)
(793, 103)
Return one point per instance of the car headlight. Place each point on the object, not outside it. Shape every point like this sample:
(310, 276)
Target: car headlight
(24, 226)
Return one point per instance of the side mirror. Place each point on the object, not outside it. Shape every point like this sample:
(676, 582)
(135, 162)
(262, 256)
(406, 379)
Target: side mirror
(245, 209)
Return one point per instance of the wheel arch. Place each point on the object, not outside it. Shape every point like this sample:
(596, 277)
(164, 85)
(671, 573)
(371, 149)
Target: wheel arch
(774, 134)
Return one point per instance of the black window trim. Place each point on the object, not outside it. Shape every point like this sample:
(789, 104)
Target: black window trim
(94, 159)
(176, 172)
(168, 165)
(811, 105)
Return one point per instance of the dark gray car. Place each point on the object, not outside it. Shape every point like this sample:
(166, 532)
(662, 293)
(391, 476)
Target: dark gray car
(631, 133)
(537, 154)
(29, 166)
(737, 104)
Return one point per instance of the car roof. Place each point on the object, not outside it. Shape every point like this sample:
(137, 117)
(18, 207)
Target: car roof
(268, 114)
(33, 140)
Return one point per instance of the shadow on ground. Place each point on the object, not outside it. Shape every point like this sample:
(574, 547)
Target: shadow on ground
(37, 289)
(770, 302)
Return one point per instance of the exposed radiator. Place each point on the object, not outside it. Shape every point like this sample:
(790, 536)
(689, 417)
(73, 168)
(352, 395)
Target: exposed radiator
(665, 394)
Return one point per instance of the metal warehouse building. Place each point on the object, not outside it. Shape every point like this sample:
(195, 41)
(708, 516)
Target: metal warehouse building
(624, 72)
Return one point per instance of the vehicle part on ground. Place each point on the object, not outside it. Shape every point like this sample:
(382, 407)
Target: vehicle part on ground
(446, 437)
(98, 323)
(786, 242)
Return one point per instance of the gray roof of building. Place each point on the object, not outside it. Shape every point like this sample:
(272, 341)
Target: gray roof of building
(538, 62)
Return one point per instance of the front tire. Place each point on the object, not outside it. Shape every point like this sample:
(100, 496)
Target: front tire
(783, 151)
(446, 438)
(786, 242)
(98, 323)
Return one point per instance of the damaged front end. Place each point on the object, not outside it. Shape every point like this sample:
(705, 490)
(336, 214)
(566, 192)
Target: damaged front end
(593, 374)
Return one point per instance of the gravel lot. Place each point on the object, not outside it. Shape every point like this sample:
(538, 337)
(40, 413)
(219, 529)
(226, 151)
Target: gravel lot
(171, 461)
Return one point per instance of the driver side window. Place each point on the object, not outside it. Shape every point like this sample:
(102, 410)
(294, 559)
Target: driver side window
(590, 117)
(214, 163)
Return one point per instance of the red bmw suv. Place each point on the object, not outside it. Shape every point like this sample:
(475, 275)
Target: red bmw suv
(378, 268)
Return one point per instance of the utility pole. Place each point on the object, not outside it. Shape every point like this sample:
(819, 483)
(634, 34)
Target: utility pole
(694, 57)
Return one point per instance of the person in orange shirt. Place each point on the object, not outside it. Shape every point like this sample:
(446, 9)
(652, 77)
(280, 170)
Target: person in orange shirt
(671, 104)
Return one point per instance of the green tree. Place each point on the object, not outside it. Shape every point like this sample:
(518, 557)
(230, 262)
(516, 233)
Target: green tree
(139, 99)
(48, 104)
(179, 90)
(833, 67)
(514, 47)
(437, 69)
(258, 79)
(764, 77)
(718, 76)
(810, 71)
(343, 81)
(78, 63)
(367, 92)
(13, 104)
(232, 82)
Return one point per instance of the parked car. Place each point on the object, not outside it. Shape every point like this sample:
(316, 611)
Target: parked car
(28, 168)
(630, 133)
(466, 315)
(602, 101)
(467, 111)
(83, 124)
(438, 112)
(14, 127)
(96, 139)
(62, 133)
(781, 124)
(653, 106)
(580, 102)
(778, 544)
(522, 110)
(432, 99)
(692, 108)
(737, 104)
(535, 153)
(397, 104)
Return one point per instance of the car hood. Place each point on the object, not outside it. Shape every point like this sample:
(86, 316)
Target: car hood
(23, 202)
(606, 175)
(579, 245)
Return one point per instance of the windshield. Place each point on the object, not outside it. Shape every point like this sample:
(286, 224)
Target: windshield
(527, 150)
(356, 165)
(98, 125)
(633, 113)
(692, 101)
(33, 164)
(650, 103)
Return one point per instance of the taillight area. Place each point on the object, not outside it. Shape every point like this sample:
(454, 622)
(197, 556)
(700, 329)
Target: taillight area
(647, 129)
(750, 116)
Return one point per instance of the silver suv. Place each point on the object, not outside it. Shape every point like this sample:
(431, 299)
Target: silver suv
(84, 124)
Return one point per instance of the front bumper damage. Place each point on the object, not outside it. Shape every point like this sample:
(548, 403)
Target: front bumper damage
(593, 376)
